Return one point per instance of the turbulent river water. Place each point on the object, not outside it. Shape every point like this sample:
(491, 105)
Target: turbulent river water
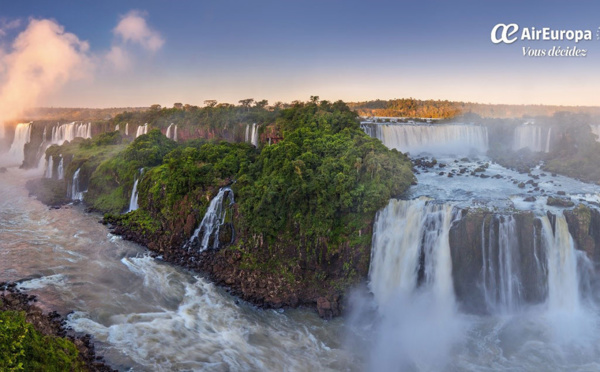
(147, 315)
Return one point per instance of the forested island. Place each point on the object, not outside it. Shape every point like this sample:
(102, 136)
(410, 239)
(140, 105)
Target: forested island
(299, 232)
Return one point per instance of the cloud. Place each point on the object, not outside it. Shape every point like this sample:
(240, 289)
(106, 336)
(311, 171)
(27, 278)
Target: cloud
(132, 28)
(41, 60)
(5, 25)
(119, 58)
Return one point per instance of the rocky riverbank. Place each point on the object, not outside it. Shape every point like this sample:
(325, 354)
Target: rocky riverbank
(50, 324)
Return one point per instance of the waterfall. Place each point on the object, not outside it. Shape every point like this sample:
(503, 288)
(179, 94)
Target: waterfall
(563, 281)
(117, 128)
(411, 246)
(252, 134)
(16, 153)
(596, 131)
(501, 276)
(548, 139)
(372, 130)
(533, 137)
(49, 167)
(76, 192)
(61, 170)
(213, 219)
(127, 129)
(438, 139)
(141, 130)
(172, 132)
(411, 279)
(42, 148)
(133, 201)
(70, 131)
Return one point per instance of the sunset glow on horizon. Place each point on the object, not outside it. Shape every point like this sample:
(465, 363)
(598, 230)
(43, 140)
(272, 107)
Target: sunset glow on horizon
(144, 52)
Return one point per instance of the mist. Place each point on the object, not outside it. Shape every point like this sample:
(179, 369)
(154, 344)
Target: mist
(40, 61)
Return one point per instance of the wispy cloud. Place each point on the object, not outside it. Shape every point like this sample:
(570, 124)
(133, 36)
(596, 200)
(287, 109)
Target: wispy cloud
(7, 25)
(132, 28)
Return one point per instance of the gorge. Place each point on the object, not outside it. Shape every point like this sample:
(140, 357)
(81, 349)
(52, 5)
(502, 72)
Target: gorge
(474, 266)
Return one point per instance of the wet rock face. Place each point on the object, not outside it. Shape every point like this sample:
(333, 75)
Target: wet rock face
(584, 226)
(479, 229)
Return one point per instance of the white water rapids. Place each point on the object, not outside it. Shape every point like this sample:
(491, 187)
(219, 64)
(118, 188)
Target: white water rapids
(147, 315)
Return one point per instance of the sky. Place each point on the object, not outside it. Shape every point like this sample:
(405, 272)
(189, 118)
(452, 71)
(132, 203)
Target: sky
(138, 53)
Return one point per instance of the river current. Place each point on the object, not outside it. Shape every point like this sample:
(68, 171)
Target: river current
(145, 314)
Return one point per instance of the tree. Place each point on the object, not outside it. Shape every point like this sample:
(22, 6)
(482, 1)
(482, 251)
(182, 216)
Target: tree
(155, 107)
(261, 103)
(210, 102)
(246, 102)
(178, 105)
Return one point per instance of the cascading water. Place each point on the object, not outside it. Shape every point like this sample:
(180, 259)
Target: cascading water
(252, 134)
(141, 130)
(172, 132)
(61, 170)
(42, 148)
(16, 153)
(411, 280)
(501, 276)
(70, 131)
(596, 131)
(117, 127)
(212, 221)
(133, 200)
(127, 129)
(75, 192)
(436, 139)
(49, 167)
(563, 281)
(533, 137)
(548, 139)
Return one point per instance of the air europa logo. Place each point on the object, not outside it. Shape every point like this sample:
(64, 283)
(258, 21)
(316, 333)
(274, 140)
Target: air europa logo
(508, 34)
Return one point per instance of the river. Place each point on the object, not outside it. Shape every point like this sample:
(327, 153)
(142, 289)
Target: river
(145, 314)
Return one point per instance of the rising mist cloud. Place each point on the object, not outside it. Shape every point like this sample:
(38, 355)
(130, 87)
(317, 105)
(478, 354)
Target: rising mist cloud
(133, 28)
(41, 60)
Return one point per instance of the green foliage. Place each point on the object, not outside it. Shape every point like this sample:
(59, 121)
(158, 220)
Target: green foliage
(325, 168)
(22, 348)
(111, 183)
(191, 170)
